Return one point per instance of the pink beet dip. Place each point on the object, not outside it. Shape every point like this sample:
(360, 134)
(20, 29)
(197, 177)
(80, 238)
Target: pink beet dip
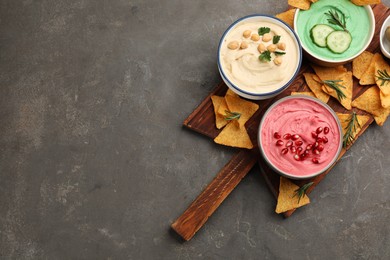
(300, 137)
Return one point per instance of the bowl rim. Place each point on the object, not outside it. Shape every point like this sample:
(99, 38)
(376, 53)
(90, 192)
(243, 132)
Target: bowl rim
(274, 92)
(324, 105)
(382, 35)
(371, 17)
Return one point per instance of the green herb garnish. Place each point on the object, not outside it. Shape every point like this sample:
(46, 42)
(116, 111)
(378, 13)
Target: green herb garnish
(383, 76)
(334, 84)
(264, 30)
(279, 53)
(276, 39)
(353, 124)
(229, 116)
(265, 56)
(337, 18)
(301, 192)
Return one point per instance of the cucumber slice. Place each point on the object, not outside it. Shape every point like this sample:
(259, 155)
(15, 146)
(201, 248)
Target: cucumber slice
(338, 41)
(319, 32)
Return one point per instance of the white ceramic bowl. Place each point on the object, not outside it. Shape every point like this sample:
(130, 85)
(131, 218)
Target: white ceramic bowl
(267, 136)
(332, 63)
(384, 43)
(252, 94)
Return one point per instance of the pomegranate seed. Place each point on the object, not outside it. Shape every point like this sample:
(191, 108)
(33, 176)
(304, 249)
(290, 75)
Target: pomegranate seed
(315, 160)
(326, 130)
(314, 135)
(319, 139)
(293, 149)
(277, 135)
(316, 151)
(296, 157)
(299, 149)
(287, 136)
(320, 148)
(309, 146)
(315, 145)
(319, 130)
(284, 150)
(303, 156)
(295, 137)
(279, 143)
(306, 152)
(298, 143)
(324, 139)
(289, 143)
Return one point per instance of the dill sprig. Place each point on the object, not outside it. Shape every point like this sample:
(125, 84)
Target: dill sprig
(353, 124)
(301, 192)
(383, 76)
(229, 116)
(337, 18)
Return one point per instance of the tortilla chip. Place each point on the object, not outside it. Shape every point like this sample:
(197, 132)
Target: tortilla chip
(305, 93)
(301, 4)
(312, 81)
(287, 17)
(382, 65)
(328, 73)
(222, 108)
(366, 2)
(245, 108)
(344, 120)
(231, 93)
(347, 82)
(286, 199)
(235, 136)
(361, 63)
(385, 100)
(370, 102)
(219, 119)
(368, 77)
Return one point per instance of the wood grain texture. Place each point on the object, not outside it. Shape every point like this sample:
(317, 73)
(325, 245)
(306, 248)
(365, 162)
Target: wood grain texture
(202, 120)
(214, 194)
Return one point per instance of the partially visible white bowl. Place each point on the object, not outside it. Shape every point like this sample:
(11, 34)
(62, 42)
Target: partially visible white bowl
(383, 41)
(239, 89)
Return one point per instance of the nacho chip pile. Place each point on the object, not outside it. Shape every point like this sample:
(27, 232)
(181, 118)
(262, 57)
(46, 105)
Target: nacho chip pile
(234, 132)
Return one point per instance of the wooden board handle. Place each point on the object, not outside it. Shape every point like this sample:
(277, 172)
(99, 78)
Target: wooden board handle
(208, 201)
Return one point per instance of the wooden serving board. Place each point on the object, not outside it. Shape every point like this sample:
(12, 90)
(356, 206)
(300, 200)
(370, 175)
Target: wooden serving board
(202, 120)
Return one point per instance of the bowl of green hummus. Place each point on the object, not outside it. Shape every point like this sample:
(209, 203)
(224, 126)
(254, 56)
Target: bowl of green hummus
(334, 32)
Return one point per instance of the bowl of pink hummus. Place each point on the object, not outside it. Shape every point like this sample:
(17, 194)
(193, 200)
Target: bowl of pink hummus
(300, 137)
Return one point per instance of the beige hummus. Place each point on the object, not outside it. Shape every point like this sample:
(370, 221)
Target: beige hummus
(243, 67)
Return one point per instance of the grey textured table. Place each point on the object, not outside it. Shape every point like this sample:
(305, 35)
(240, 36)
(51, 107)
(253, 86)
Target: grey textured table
(94, 163)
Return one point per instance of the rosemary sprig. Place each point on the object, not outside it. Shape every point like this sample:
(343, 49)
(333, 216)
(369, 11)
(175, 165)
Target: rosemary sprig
(353, 124)
(383, 76)
(337, 18)
(229, 116)
(301, 192)
(335, 84)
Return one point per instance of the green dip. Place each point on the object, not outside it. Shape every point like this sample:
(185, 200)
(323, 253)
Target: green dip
(357, 21)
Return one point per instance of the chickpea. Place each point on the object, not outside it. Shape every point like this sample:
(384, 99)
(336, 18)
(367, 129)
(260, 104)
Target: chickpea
(278, 60)
(244, 45)
(267, 37)
(246, 33)
(233, 45)
(255, 37)
(272, 47)
(282, 46)
(261, 48)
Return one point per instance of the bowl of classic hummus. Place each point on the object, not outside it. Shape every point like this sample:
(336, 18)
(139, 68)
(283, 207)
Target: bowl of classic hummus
(300, 137)
(259, 56)
(334, 32)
